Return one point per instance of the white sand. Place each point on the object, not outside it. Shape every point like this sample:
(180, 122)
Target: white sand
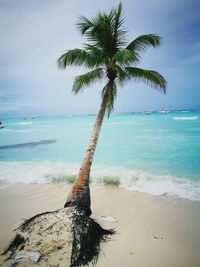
(151, 231)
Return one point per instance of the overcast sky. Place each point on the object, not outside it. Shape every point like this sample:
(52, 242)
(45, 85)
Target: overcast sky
(34, 33)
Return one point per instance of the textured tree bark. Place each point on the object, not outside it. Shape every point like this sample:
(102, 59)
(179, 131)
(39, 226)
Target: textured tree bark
(80, 191)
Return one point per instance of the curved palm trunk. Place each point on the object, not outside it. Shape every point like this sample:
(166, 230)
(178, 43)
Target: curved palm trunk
(80, 192)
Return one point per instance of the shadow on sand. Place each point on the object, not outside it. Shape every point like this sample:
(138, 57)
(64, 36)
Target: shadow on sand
(30, 144)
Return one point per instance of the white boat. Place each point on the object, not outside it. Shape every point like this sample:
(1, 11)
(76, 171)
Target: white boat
(147, 112)
(165, 111)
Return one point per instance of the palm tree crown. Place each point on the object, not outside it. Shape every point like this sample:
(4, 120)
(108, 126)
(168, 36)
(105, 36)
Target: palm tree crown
(109, 55)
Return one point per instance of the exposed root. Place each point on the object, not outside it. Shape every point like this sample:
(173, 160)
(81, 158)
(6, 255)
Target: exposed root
(87, 235)
(16, 243)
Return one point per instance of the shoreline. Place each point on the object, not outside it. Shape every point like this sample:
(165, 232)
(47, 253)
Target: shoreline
(45, 172)
(151, 230)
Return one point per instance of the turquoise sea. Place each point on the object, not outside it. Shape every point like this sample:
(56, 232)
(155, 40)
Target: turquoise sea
(157, 153)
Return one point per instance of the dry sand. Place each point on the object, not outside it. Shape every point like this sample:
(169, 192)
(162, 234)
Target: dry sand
(152, 231)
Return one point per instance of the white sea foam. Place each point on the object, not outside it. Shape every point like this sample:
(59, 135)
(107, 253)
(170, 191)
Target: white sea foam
(186, 118)
(25, 123)
(47, 172)
(34, 172)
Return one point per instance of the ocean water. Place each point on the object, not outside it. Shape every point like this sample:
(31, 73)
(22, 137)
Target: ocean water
(157, 153)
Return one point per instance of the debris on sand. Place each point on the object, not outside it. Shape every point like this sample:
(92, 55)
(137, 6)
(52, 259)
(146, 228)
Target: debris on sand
(33, 256)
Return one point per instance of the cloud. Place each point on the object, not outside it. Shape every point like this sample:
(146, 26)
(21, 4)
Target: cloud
(10, 106)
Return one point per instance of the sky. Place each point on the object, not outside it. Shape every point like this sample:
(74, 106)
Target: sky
(34, 33)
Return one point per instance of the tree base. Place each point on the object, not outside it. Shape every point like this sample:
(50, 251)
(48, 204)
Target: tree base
(78, 205)
(67, 236)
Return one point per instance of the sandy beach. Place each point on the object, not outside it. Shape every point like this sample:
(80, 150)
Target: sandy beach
(153, 231)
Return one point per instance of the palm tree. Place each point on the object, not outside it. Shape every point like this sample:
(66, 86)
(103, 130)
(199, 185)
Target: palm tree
(109, 56)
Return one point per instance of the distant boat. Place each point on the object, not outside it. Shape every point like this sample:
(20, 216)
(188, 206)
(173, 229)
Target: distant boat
(1, 125)
(165, 111)
(147, 112)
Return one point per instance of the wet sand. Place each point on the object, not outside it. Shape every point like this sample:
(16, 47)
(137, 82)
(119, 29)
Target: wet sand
(153, 231)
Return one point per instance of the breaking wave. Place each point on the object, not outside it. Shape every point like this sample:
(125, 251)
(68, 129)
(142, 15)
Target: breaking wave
(25, 123)
(186, 118)
(49, 172)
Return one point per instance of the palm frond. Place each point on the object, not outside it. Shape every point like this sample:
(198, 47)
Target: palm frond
(101, 34)
(126, 57)
(142, 42)
(97, 52)
(84, 24)
(150, 77)
(119, 32)
(111, 91)
(105, 31)
(87, 79)
(78, 57)
(122, 75)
